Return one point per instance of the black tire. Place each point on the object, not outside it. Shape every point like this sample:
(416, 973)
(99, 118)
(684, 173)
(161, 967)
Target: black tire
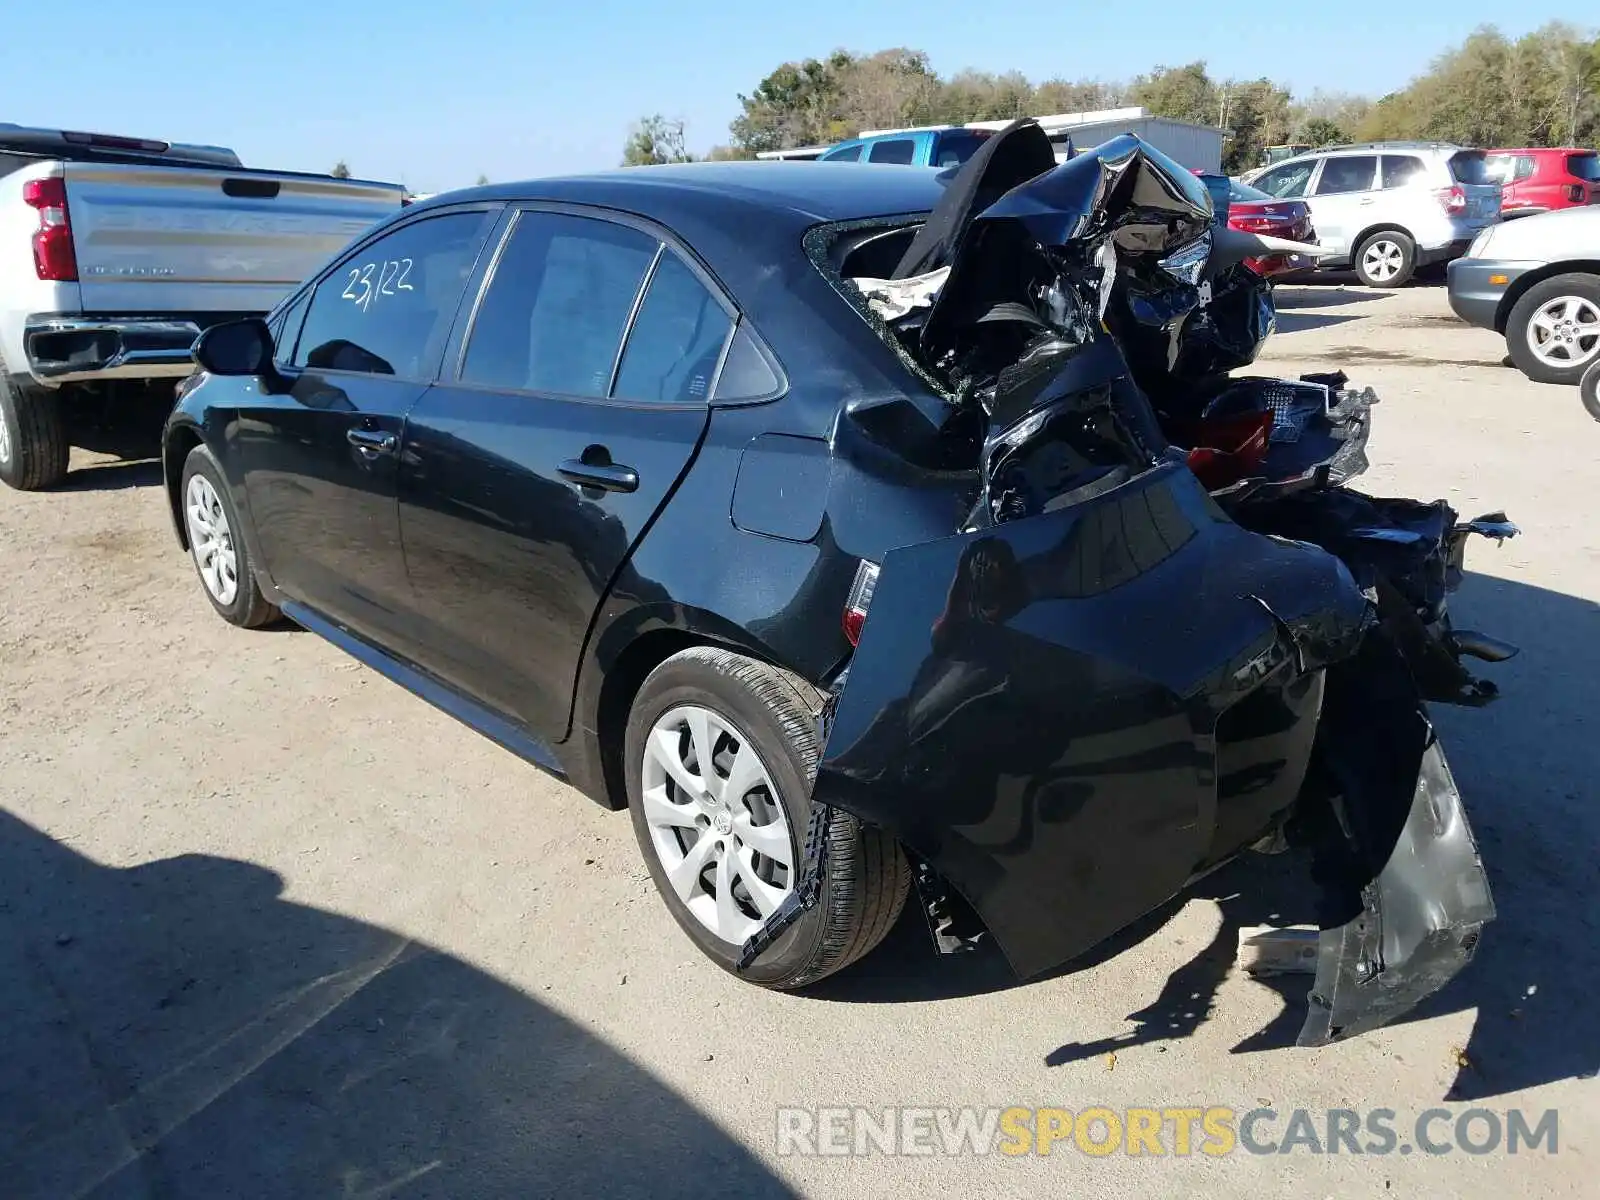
(1400, 242)
(248, 608)
(1589, 389)
(1578, 285)
(865, 877)
(33, 439)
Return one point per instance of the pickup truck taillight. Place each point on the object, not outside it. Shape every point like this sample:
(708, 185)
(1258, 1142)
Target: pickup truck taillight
(1453, 198)
(53, 256)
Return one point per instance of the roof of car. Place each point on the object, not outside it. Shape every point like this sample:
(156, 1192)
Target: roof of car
(821, 191)
(1539, 150)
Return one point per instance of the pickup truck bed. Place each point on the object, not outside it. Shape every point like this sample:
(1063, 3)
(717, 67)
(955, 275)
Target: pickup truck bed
(113, 260)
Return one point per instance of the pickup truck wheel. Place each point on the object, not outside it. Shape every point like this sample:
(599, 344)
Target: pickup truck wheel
(1386, 259)
(220, 556)
(722, 752)
(33, 437)
(1553, 332)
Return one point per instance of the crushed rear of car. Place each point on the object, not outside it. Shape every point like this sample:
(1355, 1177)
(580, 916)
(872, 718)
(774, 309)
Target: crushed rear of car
(1167, 629)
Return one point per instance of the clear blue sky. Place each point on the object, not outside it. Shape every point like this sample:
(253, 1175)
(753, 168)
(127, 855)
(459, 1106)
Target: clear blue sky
(432, 92)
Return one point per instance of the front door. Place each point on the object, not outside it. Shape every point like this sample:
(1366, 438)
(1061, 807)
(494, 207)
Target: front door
(319, 457)
(525, 481)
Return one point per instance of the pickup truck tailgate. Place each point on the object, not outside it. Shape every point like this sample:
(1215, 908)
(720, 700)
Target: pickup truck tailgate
(187, 239)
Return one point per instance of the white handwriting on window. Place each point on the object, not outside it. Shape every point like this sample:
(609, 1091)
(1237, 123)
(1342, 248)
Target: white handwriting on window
(392, 275)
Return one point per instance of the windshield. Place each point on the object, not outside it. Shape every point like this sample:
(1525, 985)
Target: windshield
(1243, 193)
(1468, 167)
(1584, 166)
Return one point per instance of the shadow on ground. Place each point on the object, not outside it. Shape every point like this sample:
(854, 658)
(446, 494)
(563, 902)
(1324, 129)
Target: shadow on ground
(177, 1029)
(1525, 766)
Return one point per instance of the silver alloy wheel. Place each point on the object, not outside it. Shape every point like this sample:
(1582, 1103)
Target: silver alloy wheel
(1565, 332)
(1382, 259)
(5, 442)
(715, 821)
(211, 541)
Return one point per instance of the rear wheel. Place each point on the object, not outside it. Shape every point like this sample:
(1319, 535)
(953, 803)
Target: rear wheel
(1386, 259)
(1553, 332)
(33, 437)
(722, 752)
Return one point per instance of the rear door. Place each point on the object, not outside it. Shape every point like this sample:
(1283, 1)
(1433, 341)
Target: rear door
(319, 458)
(155, 239)
(575, 402)
(1343, 199)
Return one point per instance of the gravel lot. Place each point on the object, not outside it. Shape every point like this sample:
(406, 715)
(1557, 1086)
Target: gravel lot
(269, 926)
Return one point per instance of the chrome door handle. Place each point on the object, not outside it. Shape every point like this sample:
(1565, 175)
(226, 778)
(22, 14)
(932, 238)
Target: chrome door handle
(608, 477)
(370, 441)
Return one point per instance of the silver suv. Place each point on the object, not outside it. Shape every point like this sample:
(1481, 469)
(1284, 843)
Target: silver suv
(1387, 208)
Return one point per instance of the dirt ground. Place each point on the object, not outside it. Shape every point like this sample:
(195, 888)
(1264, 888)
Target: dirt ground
(270, 926)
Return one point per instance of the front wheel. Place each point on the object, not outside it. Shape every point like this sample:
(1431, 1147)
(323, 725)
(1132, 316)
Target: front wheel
(722, 752)
(1553, 332)
(220, 556)
(1386, 259)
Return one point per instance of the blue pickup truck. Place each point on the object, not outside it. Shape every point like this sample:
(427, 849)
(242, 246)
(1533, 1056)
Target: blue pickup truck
(918, 148)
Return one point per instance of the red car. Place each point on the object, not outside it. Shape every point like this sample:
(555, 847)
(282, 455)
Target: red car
(1541, 179)
(1251, 210)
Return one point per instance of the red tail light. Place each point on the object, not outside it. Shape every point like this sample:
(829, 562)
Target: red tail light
(1577, 193)
(53, 256)
(1453, 198)
(855, 607)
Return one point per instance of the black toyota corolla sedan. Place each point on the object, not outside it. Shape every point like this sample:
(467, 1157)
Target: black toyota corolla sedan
(816, 516)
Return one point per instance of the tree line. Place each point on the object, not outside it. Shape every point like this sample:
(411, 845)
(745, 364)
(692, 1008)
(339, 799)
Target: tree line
(1541, 89)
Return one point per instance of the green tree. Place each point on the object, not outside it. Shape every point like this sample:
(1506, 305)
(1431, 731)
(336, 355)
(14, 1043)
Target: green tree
(340, 170)
(482, 179)
(1320, 131)
(1183, 93)
(655, 139)
(796, 105)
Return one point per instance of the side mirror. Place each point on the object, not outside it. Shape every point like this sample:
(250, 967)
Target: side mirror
(236, 348)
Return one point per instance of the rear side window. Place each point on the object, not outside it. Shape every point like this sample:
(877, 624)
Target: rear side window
(1584, 166)
(1287, 182)
(956, 148)
(897, 150)
(1399, 170)
(848, 154)
(676, 340)
(1352, 174)
(388, 309)
(1466, 167)
(558, 305)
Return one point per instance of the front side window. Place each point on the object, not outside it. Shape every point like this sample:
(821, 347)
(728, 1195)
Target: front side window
(558, 305)
(387, 310)
(1344, 175)
(1401, 170)
(1287, 182)
(900, 150)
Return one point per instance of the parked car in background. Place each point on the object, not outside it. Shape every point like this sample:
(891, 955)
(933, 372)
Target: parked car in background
(1387, 208)
(116, 252)
(1537, 281)
(1253, 211)
(1543, 179)
(916, 147)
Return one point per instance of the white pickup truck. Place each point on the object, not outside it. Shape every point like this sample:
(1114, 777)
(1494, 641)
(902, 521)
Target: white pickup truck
(115, 253)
